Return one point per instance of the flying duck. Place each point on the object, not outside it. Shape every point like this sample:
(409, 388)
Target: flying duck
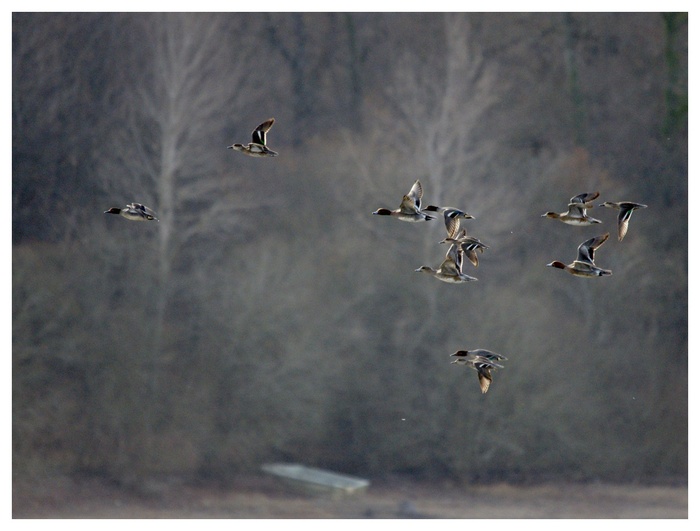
(623, 219)
(258, 147)
(410, 208)
(584, 265)
(576, 215)
(482, 361)
(134, 212)
(450, 270)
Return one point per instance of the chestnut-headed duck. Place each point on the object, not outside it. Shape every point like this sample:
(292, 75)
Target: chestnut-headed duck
(584, 265)
(410, 208)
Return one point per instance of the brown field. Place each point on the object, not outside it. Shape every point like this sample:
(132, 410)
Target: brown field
(263, 498)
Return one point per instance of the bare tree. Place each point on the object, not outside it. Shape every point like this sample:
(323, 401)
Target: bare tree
(180, 83)
(169, 154)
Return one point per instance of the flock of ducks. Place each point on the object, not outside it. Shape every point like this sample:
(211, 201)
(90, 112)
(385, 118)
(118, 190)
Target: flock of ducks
(584, 265)
(461, 245)
(450, 270)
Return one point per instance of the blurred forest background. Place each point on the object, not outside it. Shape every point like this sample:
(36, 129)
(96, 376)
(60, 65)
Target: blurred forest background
(269, 316)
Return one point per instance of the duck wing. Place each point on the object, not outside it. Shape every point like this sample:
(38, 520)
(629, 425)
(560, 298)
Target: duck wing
(485, 378)
(585, 198)
(452, 264)
(623, 218)
(577, 210)
(586, 251)
(260, 132)
(409, 205)
(483, 368)
(452, 216)
(415, 194)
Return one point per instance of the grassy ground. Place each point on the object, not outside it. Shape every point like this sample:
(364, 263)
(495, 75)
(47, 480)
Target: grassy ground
(263, 498)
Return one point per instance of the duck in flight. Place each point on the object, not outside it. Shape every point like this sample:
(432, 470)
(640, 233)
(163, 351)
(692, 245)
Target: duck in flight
(584, 265)
(467, 245)
(623, 219)
(258, 147)
(134, 212)
(482, 361)
(452, 217)
(450, 270)
(576, 214)
(410, 208)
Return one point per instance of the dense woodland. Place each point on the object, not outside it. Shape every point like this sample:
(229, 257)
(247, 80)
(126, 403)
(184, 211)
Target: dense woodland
(268, 316)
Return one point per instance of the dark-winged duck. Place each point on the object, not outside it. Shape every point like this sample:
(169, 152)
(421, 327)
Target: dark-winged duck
(258, 147)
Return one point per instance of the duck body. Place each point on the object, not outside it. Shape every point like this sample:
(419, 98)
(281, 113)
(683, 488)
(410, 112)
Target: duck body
(581, 269)
(446, 276)
(258, 146)
(402, 215)
(623, 219)
(254, 150)
(134, 212)
(573, 217)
